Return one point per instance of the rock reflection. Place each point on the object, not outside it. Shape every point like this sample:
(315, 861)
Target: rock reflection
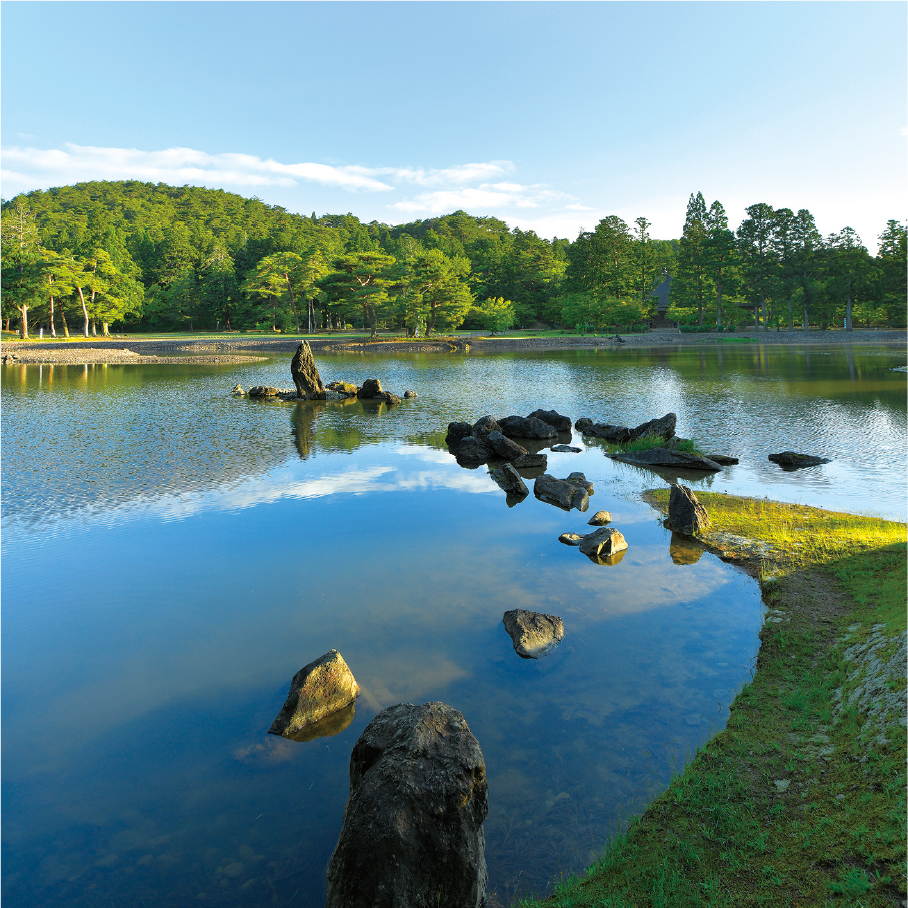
(327, 727)
(608, 560)
(684, 550)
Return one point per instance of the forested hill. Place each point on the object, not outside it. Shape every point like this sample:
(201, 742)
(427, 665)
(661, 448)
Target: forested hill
(154, 257)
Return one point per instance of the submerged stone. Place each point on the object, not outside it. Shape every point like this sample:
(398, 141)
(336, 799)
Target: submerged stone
(533, 634)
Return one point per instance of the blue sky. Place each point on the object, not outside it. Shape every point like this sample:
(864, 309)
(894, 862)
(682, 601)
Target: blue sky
(550, 116)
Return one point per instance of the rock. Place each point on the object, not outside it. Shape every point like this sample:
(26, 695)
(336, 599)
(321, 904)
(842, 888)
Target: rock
(579, 480)
(566, 449)
(534, 635)
(457, 431)
(503, 446)
(410, 395)
(662, 457)
(484, 427)
(331, 394)
(371, 387)
(606, 431)
(412, 830)
(794, 461)
(683, 551)
(563, 493)
(509, 480)
(600, 519)
(664, 427)
(387, 397)
(722, 459)
(531, 462)
(305, 374)
(518, 427)
(238, 391)
(554, 419)
(571, 538)
(685, 514)
(473, 451)
(264, 391)
(603, 543)
(317, 690)
(343, 387)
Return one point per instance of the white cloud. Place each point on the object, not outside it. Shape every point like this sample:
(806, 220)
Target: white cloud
(487, 197)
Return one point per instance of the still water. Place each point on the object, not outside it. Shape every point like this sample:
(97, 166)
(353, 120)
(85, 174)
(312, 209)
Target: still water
(173, 555)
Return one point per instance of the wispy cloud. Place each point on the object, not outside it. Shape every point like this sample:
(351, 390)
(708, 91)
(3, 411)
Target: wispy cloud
(482, 198)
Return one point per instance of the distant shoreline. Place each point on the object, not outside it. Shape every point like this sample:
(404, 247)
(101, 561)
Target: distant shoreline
(137, 350)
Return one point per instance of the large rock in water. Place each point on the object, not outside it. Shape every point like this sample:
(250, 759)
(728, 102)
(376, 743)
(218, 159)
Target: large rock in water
(533, 634)
(317, 690)
(604, 542)
(412, 831)
(472, 452)
(504, 447)
(685, 514)
(663, 457)
(573, 492)
(457, 431)
(305, 374)
(531, 427)
(371, 387)
(664, 427)
(792, 460)
(553, 418)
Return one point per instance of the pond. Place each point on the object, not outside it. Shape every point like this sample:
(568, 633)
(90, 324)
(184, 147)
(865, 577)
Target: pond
(173, 555)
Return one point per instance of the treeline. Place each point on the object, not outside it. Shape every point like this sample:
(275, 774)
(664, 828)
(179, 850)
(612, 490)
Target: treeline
(146, 257)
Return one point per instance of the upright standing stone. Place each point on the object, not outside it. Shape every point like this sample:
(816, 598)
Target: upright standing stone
(685, 514)
(305, 374)
(412, 830)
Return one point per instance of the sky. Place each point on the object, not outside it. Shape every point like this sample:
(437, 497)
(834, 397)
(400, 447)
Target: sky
(548, 115)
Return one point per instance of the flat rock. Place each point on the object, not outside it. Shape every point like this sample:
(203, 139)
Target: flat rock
(531, 462)
(509, 480)
(529, 427)
(566, 449)
(724, 459)
(533, 634)
(571, 538)
(603, 542)
(792, 460)
(600, 519)
(563, 493)
(663, 457)
(412, 829)
(264, 391)
(685, 514)
(317, 690)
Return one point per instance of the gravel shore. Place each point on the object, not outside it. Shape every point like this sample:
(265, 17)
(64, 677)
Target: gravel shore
(136, 350)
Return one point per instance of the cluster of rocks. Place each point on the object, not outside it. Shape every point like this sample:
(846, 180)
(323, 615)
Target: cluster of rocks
(603, 546)
(309, 385)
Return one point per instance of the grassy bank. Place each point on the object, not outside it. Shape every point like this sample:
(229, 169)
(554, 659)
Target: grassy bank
(801, 799)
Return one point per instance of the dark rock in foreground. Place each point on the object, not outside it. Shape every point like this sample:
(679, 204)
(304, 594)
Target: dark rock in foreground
(484, 426)
(305, 374)
(371, 387)
(572, 492)
(317, 690)
(685, 514)
(662, 457)
(509, 480)
(566, 449)
(529, 427)
(558, 422)
(412, 831)
(457, 431)
(504, 447)
(664, 428)
(472, 451)
(531, 462)
(533, 634)
(792, 460)
(603, 543)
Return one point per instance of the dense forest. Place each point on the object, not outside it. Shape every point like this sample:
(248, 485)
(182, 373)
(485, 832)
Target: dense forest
(137, 256)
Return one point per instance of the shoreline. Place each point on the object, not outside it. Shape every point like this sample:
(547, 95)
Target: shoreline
(137, 350)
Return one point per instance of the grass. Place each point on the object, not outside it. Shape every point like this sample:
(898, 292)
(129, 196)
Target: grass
(648, 442)
(794, 803)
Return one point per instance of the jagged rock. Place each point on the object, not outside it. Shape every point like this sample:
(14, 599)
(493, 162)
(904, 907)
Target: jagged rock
(662, 457)
(533, 634)
(473, 451)
(579, 480)
(603, 543)
(264, 391)
(553, 418)
(531, 462)
(457, 431)
(410, 395)
(412, 830)
(722, 459)
(509, 480)
(600, 519)
(518, 427)
(484, 427)
(343, 387)
(387, 397)
(371, 387)
(793, 461)
(664, 427)
(563, 493)
(566, 449)
(504, 446)
(317, 690)
(238, 391)
(305, 374)
(570, 538)
(685, 514)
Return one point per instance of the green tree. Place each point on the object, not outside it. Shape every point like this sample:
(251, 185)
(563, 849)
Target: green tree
(689, 285)
(893, 270)
(602, 259)
(495, 314)
(849, 269)
(439, 290)
(719, 255)
(755, 235)
(358, 284)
